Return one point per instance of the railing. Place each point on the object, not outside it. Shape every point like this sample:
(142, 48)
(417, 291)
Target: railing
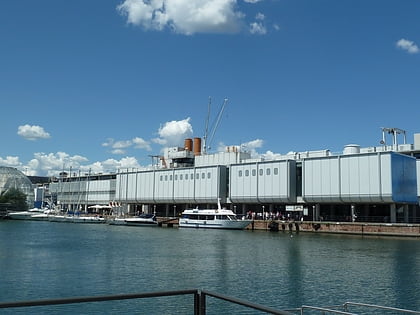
(199, 297)
(199, 303)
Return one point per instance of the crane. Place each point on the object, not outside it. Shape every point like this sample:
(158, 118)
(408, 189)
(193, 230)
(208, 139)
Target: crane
(207, 140)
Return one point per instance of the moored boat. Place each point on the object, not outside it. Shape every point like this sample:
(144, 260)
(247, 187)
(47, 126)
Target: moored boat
(141, 220)
(212, 219)
(24, 215)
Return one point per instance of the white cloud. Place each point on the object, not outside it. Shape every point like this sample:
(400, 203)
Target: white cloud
(257, 28)
(408, 46)
(51, 164)
(32, 132)
(119, 147)
(252, 1)
(173, 133)
(11, 161)
(260, 17)
(140, 143)
(184, 16)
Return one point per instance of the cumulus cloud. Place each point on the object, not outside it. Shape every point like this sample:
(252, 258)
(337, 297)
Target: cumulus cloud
(173, 133)
(51, 164)
(32, 132)
(184, 16)
(258, 27)
(11, 161)
(120, 146)
(408, 46)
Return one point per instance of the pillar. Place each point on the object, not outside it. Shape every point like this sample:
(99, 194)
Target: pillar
(353, 213)
(393, 213)
(406, 213)
(316, 212)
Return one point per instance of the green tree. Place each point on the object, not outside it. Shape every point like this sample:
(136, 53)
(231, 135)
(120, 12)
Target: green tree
(14, 197)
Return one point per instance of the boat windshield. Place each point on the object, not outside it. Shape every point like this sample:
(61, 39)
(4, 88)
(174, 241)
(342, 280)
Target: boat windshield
(232, 217)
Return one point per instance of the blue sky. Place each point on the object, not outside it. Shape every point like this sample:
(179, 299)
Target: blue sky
(103, 85)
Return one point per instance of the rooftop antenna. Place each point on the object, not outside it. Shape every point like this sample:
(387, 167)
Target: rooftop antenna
(208, 140)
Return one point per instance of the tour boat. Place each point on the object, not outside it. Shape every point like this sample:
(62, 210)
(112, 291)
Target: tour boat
(212, 219)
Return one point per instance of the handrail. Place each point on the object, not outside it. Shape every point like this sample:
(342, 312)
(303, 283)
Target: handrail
(401, 310)
(98, 298)
(199, 300)
(323, 309)
(245, 303)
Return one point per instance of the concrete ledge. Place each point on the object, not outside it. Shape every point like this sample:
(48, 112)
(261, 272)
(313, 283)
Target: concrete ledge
(359, 228)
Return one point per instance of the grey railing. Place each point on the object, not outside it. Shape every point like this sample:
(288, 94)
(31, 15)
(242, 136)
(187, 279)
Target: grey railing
(199, 297)
(200, 305)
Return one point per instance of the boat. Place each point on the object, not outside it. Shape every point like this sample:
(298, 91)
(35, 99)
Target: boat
(24, 215)
(212, 219)
(144, 219)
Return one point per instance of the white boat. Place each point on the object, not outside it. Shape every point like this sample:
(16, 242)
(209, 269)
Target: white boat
(141, 220)
(44, 216)
(24, 215)
(212, 219)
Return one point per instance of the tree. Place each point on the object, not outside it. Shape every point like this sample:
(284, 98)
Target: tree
(14, 197)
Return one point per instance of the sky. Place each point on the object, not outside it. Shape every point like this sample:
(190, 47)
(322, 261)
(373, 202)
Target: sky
(104, 85)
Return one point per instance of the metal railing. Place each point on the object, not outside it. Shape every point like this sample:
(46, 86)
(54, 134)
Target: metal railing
(200, 303)
(199, 297)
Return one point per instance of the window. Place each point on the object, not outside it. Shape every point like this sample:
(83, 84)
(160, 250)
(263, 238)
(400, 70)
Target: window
(208, 175)
(180, 176)
(267, 171)
(166, 177)
(197, 176)
(161, 178)
(170, 177)
(240, 173)
(254, 172)
(203, 175)
(192, 176)
(247, 173)
(261, 172)
(176, 177)
(276, 171)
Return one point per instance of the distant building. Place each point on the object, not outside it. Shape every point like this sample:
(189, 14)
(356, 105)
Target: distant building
(12, 178)
(375, 184)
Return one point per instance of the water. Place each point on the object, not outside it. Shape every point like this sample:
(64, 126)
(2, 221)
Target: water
(43, 260)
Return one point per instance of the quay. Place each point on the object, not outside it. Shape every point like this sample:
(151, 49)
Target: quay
(355, 228)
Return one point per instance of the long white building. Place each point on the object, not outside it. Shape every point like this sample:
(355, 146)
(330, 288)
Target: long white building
(375, 184)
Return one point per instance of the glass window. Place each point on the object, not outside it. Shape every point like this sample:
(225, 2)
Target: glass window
(246, 172)
(197, 176)
(170, 177)
(203, 175)
(267, 171)
(240, 173)
(192, 176)
(208, 175)
(166, 177)
(261, 172)
(276, 171)
(180, 176)
(176, 177)
(161, 178)
(254, 172)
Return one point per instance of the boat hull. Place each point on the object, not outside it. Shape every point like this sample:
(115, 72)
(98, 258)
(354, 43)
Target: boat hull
(214, 224)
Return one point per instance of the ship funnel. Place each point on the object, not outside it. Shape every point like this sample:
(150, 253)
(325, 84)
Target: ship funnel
(197, 146)
(188, 144)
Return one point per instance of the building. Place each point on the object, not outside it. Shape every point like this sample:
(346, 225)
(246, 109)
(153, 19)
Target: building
(375, 184)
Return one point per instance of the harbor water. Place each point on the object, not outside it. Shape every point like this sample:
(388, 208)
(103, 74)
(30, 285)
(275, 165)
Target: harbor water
(282, 270)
